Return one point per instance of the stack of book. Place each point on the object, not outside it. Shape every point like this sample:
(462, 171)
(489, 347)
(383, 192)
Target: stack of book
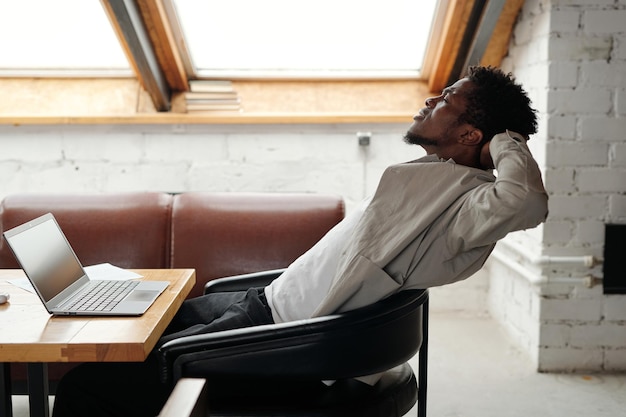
(208, 95)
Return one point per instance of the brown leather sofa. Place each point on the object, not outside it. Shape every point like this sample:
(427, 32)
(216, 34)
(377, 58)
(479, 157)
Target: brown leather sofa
(218, 234)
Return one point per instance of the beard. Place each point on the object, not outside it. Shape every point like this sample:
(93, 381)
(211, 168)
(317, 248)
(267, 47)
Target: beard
(414, 139)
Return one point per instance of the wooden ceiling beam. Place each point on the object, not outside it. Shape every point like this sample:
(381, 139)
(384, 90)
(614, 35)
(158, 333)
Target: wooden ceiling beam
(498, 45)
(159, 30)
(128, 24)
(475, 32)
(454, 28)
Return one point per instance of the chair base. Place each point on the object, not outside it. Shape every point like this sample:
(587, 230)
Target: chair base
(393, 396)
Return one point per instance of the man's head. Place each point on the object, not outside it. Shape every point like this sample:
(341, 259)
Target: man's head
(470, 112)
(498, 103)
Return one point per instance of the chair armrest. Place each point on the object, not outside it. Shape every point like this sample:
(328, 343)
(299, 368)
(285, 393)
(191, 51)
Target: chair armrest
(361, 342)
(238, 351)
(242, 282)
(187, 400)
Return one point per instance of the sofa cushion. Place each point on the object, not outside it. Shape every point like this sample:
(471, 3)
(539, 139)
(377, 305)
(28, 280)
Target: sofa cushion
(224, 234)
(129, 230)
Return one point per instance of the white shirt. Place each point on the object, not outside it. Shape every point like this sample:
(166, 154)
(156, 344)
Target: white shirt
(297, 293)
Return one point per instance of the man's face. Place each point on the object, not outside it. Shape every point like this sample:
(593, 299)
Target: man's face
(436, 125)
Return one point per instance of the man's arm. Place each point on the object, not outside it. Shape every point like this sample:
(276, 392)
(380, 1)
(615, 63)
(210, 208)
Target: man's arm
(485, 153)
(516, 200)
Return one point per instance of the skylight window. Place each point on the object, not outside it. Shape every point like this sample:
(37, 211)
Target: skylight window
(58, 38)
(322, 38)
(227, 38)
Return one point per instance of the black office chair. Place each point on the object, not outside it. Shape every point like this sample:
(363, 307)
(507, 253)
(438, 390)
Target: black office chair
(276, 370)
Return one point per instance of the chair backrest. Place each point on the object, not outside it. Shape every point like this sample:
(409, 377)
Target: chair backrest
(368, 340)
(361, 342)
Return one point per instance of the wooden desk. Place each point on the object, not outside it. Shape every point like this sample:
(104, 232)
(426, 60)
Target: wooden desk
(29, 334)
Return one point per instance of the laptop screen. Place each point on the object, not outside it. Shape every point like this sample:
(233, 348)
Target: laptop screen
(45, 256)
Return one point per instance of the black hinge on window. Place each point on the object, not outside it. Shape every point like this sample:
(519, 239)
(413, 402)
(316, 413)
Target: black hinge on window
(614, 267)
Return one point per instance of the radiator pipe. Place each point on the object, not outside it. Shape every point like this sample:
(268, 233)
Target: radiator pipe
(588, 261)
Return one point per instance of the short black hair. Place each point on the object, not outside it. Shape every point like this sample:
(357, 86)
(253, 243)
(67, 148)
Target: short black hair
(497, 103)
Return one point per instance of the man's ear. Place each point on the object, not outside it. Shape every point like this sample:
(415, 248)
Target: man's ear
(471, 137)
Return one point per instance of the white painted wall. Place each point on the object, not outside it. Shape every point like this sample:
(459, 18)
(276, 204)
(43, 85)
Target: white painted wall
(269, 158)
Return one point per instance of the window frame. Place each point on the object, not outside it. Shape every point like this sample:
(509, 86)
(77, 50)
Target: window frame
(155, 50)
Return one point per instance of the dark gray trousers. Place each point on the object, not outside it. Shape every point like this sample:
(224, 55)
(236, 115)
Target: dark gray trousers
(134, 389)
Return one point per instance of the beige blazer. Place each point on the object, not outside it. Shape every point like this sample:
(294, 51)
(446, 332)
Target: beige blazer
(432, 222)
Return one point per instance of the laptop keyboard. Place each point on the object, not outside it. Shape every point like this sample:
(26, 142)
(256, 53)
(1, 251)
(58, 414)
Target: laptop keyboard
(102, 295)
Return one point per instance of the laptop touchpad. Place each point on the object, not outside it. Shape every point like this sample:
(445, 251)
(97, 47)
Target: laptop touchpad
(140, 295)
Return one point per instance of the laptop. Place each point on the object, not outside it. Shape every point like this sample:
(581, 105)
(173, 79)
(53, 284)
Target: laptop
(58, 277)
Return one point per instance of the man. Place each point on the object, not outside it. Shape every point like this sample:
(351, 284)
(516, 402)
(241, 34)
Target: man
(431, 222)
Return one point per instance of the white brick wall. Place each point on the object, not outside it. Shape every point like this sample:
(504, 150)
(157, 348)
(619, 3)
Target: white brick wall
(580, 47)
(289, 158)
(606, 20)
(598, 129)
